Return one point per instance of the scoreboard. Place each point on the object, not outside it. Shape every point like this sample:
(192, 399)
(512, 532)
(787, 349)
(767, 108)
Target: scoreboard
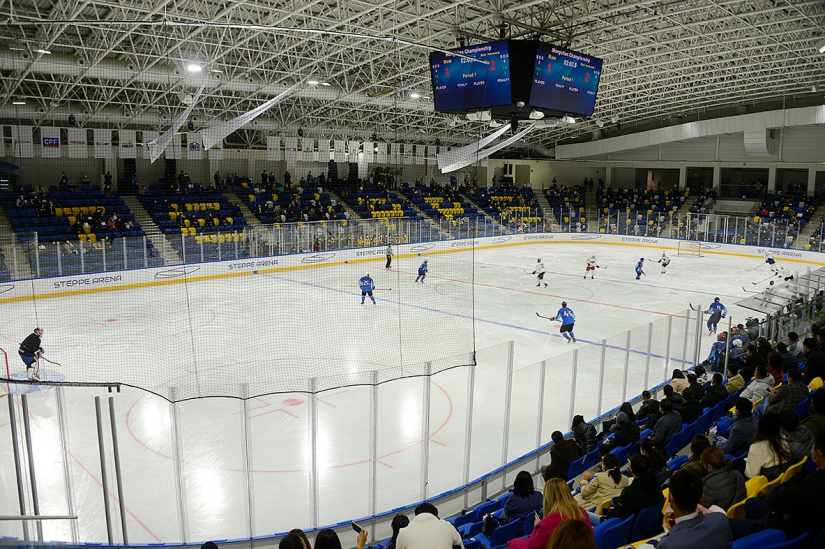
(565, 80)
(461, 84)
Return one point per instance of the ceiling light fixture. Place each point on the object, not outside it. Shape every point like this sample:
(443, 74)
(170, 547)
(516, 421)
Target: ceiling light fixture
(821, 47)
(215, 70)
(415, 95)
(18, 102)
(193, 67)
(313, 82)
(536, 115)
(44, 52)
(326, 84)
(569, 119)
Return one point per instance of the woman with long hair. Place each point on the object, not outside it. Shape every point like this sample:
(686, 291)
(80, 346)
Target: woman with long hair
(398, 522)
(769, 455)
(572, 534)
(558, 506)
(679, 382)
(525, 498)
(601, 486)
(723, 486)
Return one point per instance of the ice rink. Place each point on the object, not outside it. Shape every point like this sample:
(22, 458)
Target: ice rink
(496, 298)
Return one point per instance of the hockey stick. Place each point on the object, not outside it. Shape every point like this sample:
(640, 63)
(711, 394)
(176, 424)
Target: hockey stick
(762, 281)
(749, 270)
(692, 308)
(528, 272)
(50, 361)
(750, 291)
(381, 289)
(547, 317)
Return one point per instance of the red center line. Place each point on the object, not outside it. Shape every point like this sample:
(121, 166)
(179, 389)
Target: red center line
(543, 294)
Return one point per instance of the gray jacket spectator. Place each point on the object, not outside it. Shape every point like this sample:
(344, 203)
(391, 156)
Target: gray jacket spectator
(800, 440)
(786, 397)
(668, 425)
(584, 433)
(742, 429)
(788, 357)
(722, 485)
(761, 385)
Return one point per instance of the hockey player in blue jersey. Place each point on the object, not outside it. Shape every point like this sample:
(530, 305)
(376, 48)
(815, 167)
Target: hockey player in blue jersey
(567, 318)
(640, 268)
(422, 272)
(716, 311)
(367, 285)
(717, 352)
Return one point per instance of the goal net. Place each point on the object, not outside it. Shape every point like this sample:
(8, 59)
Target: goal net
(690, 248)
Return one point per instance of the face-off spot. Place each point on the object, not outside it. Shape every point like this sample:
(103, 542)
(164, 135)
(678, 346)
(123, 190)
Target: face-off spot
(293, 402)
(111, 320)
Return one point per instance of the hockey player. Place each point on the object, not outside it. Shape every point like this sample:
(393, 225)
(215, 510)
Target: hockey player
(786, 274)
(567, 318)
(640, 268)
(592, 265)
(367, 285)
(422, 272)
(539, 270)
(664, 261)
(716, 311)
(772, 262)
(30, 352)
(389, 256)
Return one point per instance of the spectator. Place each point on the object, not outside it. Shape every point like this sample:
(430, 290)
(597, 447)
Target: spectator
(793, 344)
(698, 444)
(399, 522)
(427, 531)
(606, 484)
(692, 409)
(69, 248)
(788, 358)
(674, 397)
(564, 452)
(693, 529)
(752, 360)
(209, 545)
(786, 397)
(716, 394)
(647, 404)
(584, 433)
(763, 347)
(815, 361)
(657, 461)
(741, 430)
(668, 425)
(775, 366)
(558, 506)
(697, 388)
(678, 382)
(525, 498)
(722, 485)
(572, 534)
(624, 432)
(328, 539)
(735, 380)
(643, 492)
(701, 376)
(769, 454)
(815, 422)
(293, 541)
(799, 439)
(654, 414)
(760, 386)
(300, 533)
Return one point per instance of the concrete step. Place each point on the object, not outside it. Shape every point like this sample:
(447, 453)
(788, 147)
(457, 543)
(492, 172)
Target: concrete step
(433, 223)
(488, 217)
(158, 238)
(346, 207)
(15, 259)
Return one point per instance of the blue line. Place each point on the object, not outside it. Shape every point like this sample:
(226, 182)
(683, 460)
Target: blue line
(634, 283)
(493, 322)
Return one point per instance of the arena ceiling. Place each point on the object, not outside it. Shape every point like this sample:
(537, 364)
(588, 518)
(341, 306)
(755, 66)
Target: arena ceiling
(123, 62)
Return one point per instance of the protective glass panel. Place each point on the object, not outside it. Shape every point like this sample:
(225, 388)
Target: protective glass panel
(524, 416)
(488, 411)
(557, 390)
(8, 481)
(448, 429)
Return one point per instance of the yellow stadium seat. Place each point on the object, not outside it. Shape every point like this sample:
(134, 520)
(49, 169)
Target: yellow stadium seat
(187, 223)
(188, 207)
(766, 489)
(815, 384)
(793, 470)
(251, 197)
(192, 231)
(92, 237)
(173, 216)
(202, 222)
(244, 185)
(76, 210)
(72, 220)
(175, 207)
(737, 510)
(184, 231)
(601, 507)
(84, 210)
(755, 484)
(82, 237)
(230, 221)
(58, 212)
(87, 230)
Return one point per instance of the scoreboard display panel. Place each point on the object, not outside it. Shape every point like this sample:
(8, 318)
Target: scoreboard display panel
(565, 80)
(461, 84)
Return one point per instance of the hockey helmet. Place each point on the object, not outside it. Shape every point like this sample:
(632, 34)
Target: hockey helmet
(720, 337)
(38, 331)
(368, 275)
(716, 300)
(538, 260)
(564, 304)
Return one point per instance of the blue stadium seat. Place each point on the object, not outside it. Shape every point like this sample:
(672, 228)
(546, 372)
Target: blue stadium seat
(796, 543)
(575, 468)
(612, 533)
(760, 539)
(676, 462)
(648, 523)
(591, 459)
(501, 535)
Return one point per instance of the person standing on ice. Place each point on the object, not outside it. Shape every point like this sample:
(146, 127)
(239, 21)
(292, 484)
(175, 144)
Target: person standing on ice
(30, 351)
(540, 271)
(367, 285)
(592, 265)
(665, 261)
(422, 272)
(568, 319)
(717, 311)
(389, 256)
(640, 268)
(772, 262)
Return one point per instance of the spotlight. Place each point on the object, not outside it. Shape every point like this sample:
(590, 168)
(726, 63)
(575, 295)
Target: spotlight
(326, 84)
(300, 132)
(415, 95)
(618, 125)
(614, 119)
(313, 82)
(536, 115)
(569, 119)
(193, 67)
(72, 120)
(19, 102)
(44, 52)
(190, 126)
(821, 47)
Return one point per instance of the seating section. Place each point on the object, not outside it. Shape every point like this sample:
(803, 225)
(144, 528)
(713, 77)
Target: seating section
(5, 275)
(781, 218)
(374, 201)
(568, 205)
(514, 206)
(441, 203)
(277, 203)
(639, 212)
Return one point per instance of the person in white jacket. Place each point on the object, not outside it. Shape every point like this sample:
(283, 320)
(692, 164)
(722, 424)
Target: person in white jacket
(761, 385)
(769, 455)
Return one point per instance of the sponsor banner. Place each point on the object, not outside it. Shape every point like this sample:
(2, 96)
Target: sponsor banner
(175, 149)
(408, 153)
(324, 150)
(148, 135)
(395, 153)
(194, 146)
(128, 143)
(216, 151)
(382, 153)
(308, 149)
(420, 154)
(339, 153)
(103, 144)
(369, 151)
(21, 142)
(273, 148)
(78, 145)
(49, 142)
(291, 152)
(352, 149)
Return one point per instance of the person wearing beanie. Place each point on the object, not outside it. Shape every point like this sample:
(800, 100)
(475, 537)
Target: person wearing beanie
(624, 432)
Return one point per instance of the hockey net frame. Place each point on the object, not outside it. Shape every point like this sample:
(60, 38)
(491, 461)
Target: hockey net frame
(5, 358)
(690, 248)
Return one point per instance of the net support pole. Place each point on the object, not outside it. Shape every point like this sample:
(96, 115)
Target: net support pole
(125, 254)
(118, 471)
(37, 253)
(425, 433)
(27, 432)
(647, 357)
(104, 477)
(687, 337)
(180, 486)
(59, 259)
(540, 411)
(246, 454)
(468, 433)
(508, 396)
(601, 378)
(572, 410)
(313, 439)
(667, 346)
(17, 468)
(373, 505)
(626, 366)
(64, 447)
(698, 345)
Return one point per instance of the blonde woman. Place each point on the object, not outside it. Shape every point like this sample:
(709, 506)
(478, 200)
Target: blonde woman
(601, 486)
(558, 506)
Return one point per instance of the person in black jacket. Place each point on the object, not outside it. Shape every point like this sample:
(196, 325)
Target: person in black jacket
(30, 350)
(585, 435)
(648, 404)
(697, 388)
(624, 432)
(675, 398)
(642, 493)
(563, 453)
(716, 394)
(692, 408)
(815, 359)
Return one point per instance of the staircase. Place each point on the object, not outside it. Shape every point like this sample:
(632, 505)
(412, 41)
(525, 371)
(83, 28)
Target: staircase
(433, 223)
(488, 217)
(251, 219)
(801, 240)
(591, 204)
(16, 261)
(350, 211)
(548, 212)
(159, 240)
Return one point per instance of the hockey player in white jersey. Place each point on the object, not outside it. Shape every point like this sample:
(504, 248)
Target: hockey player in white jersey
(591, 267)
(664, 261)
(539, 270)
